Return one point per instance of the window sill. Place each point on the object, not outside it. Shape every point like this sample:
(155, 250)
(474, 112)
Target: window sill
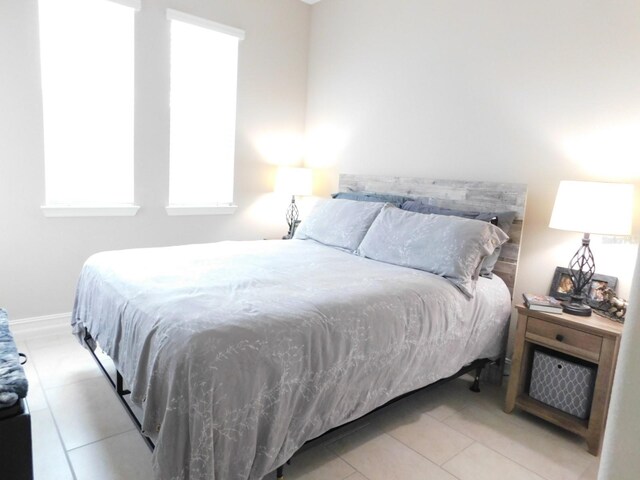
(89, 211)
(201, 209)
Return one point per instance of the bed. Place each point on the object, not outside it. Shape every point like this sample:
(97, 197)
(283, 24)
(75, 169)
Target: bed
(238, 353)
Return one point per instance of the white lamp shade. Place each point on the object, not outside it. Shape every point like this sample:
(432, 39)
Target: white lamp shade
(593, 207)
(293, 181)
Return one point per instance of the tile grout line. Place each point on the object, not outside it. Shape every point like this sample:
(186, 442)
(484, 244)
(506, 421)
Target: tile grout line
(544, 434)
(382, 432)
(514, 461)
(82, 380)
(428, 459)
(352, 466)
(460, 453)
(55, 422)
(50, 411)
(51, 387)
(356, 472)
(101, 439)
(53, 418)
(442, 419)
(520, 427)
(347, 461)
(503, 455)
(442, 423)
(439, 465)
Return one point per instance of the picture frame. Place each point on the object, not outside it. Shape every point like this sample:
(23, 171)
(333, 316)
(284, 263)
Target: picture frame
(562, 285)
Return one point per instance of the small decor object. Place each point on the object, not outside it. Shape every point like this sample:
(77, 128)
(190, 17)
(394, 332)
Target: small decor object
(612, 306)
(542, 303)
(293, 181)
(586, 207)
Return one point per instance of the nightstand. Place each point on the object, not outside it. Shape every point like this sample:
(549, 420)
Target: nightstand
(593, 339)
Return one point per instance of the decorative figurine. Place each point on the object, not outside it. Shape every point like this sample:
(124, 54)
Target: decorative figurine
(614, 307)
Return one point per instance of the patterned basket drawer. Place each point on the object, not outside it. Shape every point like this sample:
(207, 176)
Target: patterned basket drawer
(562, 384)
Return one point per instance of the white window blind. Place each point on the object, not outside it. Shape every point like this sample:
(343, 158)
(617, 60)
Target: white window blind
(87, 65)
(204, 66)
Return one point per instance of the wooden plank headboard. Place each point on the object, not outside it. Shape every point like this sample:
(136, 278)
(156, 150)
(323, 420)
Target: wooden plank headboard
(461, 195)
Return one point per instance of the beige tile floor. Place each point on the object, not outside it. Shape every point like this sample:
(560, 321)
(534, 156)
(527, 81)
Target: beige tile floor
(80, 431)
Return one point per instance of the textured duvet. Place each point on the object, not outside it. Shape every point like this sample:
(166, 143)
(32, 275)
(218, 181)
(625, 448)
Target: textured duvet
(239, 352)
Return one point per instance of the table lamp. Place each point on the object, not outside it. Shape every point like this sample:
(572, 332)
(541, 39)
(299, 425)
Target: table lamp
(293, 181)
(590, 207)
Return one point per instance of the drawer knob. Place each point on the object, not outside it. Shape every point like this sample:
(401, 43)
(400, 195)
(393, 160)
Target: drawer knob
(559, 337)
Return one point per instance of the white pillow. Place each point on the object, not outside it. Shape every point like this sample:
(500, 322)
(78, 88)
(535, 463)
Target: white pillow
(339, 223)
(452, 247)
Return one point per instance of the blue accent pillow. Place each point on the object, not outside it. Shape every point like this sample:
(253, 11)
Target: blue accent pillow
(396, 200)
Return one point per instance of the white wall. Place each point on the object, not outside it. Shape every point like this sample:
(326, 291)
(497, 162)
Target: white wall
(530, 92)
(40, 258)
(533, 92)
(620, 459)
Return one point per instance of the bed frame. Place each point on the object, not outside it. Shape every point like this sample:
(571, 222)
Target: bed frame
(117, 384)
(456, 194)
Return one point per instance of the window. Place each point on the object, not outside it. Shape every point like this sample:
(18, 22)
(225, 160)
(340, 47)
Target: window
(87, 65)
(204, 70)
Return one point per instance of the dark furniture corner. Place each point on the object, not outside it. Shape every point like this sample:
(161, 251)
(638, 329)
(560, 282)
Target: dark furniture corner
(15, 420)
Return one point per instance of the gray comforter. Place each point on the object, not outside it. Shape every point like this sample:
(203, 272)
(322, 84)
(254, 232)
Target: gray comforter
(239, 352)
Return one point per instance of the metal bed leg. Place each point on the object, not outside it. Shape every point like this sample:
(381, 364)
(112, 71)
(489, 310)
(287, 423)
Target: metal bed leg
(280, 471)
(120, 385)
(476, 381)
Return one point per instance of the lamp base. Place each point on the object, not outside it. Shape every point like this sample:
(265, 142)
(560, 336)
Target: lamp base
(575, 308)
(292, 230)
(292, 218)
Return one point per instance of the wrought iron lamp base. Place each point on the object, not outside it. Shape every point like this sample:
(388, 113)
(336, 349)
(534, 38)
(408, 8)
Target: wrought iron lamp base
(581, 267)
(292, 218)
(576, 308)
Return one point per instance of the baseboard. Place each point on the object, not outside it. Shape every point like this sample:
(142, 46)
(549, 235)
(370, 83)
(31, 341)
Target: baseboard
(40, 326)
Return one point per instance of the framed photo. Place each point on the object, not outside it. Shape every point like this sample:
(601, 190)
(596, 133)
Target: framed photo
(562, 286)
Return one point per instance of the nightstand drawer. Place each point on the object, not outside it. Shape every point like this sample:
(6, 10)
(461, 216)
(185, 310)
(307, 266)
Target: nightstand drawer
(564, 339)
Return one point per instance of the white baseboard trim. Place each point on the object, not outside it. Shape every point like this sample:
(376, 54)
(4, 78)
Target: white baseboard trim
(40, 326)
